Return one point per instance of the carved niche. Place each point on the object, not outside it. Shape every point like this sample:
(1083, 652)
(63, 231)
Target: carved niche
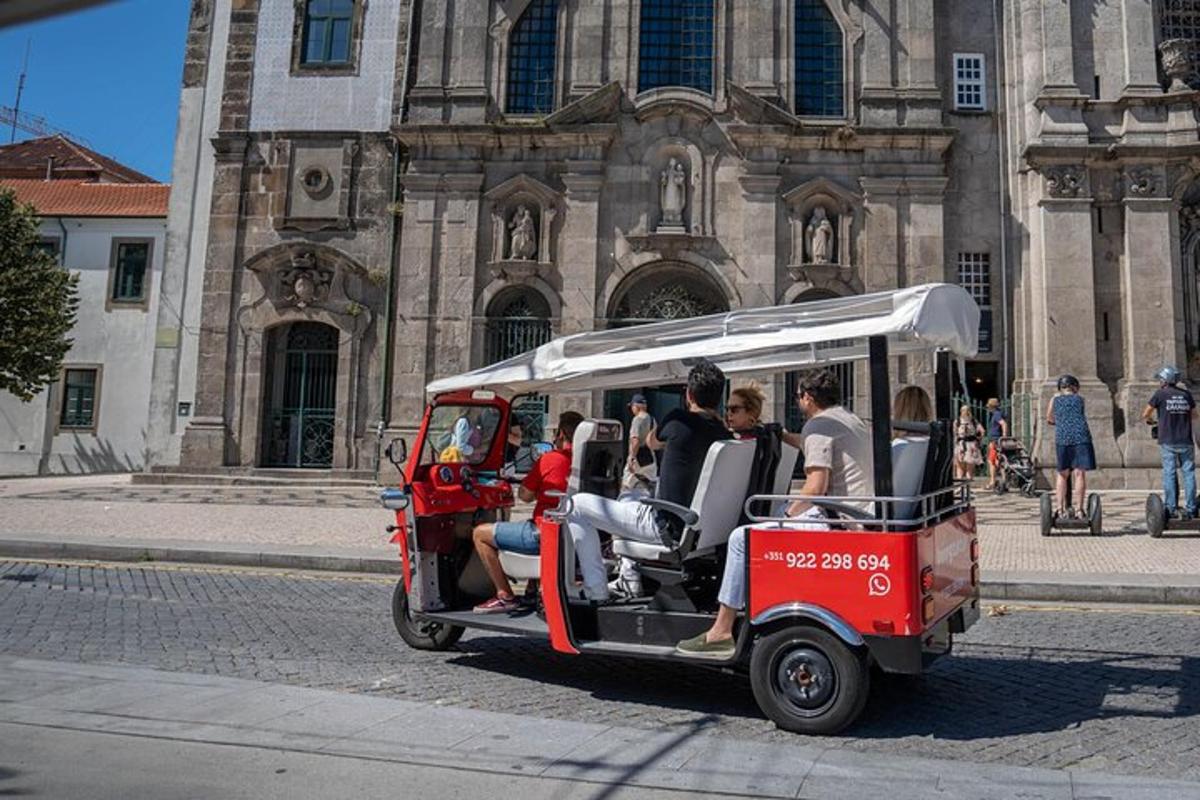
(523, 211)
(821, 220)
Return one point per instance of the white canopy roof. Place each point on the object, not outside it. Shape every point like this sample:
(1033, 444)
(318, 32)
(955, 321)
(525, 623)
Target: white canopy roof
(920, 319)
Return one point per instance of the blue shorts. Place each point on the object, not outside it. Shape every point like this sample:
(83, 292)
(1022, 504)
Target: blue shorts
(1076, 456)
(517, 537)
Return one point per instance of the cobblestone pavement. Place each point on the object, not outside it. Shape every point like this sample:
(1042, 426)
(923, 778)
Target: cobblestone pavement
(1111, 691)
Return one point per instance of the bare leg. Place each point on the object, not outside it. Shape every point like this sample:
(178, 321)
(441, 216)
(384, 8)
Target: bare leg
(1060, 491)
(485, 546)
(723, 626)
(1079, 484)
(991, 484)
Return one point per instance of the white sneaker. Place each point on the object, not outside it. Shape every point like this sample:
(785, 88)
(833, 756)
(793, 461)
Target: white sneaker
(622, 587)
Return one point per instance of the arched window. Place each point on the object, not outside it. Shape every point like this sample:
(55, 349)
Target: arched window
(518, 320)
(1180, 19)
(531, 57)
(675, 44)
(820, 85)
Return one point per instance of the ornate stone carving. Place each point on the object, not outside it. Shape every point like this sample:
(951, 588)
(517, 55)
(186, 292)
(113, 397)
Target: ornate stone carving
(523, 244)
(1064, 180)
(303, 283)
(1189, 219)
(315, 181)
(819, 237)
(673, 195)
(1142, 182)
(1179, 62)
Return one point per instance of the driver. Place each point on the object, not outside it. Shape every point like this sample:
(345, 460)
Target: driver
(549, 473)
(684, 436)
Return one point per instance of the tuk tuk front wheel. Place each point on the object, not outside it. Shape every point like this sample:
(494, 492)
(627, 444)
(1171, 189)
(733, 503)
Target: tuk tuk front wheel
(421, 634)
(806, 680)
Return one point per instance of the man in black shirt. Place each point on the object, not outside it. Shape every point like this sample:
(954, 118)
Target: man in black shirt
(684, 436)
(1175, 408)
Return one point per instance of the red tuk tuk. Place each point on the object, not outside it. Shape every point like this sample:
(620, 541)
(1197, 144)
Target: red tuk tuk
(887, 588)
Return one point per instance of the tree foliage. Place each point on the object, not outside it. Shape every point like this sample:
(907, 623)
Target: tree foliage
(38, 302)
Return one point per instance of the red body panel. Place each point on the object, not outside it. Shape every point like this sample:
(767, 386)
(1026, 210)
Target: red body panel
(869, 579)
(400, 537)
(552, 599)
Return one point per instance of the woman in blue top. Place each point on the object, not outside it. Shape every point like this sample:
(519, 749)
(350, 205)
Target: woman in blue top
(1073, 441)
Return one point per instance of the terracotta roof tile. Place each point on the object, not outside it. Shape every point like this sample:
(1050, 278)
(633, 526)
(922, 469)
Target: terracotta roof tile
(72, 161)
(82, 199)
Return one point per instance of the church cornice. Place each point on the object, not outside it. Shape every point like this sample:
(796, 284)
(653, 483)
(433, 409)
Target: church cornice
(843, 137)
(526, 137)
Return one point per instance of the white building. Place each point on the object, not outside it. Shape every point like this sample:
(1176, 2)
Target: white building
(108, 224)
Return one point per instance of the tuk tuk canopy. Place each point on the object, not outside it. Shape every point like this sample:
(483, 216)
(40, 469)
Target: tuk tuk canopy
(920, 319)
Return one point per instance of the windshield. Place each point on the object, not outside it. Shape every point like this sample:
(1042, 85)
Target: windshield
(461, 434)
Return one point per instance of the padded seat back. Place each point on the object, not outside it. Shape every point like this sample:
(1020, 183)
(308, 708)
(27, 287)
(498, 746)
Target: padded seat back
(721, 491)
(939, 462)
(597, 458)
(909, 457)
(788, 456)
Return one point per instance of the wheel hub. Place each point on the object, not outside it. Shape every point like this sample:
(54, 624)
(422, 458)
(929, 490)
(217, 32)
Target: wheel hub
(805, 677)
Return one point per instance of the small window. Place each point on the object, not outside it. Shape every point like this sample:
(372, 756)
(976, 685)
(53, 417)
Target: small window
(675, 44)
(328, 33)
(975, 275)
(129, 271)
(970, 93)
(79, 391)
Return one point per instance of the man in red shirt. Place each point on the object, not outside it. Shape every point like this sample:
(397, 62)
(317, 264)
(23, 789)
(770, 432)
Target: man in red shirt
(549, 474)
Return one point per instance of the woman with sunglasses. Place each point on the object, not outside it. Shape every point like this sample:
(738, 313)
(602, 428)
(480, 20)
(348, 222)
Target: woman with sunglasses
(743, 411)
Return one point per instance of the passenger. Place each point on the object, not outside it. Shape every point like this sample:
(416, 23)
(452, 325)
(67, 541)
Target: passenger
(1073, 441)
(909, 449)
(641, 470)
(549, 473)
(1175, 408)
(837, 463)
(743, 411)
(684, 436)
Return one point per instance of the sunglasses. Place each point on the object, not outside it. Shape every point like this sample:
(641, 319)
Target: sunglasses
(732, 409)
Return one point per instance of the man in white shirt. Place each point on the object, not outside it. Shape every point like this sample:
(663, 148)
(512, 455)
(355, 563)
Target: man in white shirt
(838, 462)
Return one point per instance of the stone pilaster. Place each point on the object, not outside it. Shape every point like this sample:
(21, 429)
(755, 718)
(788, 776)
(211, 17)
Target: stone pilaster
(1059, 100)
(579, 265)
(1150, 303)
(456, 296)
(878, 100)
(918, 65)
(468, 79)
(586, 66)
(427, 94)
(925, 254)
(239, 65)
(762, 235)
(1067, 297)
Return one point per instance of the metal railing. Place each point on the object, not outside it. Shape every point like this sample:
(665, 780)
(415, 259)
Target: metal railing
(927, 509)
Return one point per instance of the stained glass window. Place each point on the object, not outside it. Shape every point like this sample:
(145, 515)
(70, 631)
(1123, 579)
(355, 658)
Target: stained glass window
(531, 59)
(820, 88)
(675, 44)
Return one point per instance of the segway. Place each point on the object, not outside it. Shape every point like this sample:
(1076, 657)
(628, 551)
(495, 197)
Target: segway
(1092, 523)
(1158, 521)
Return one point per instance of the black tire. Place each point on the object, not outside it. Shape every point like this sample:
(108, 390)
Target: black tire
(837, 680)
(1047, 512)
(418, 634)
(1095, 512)
(1156, 516)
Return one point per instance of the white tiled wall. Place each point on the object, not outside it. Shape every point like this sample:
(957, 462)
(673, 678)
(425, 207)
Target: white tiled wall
(359, 102)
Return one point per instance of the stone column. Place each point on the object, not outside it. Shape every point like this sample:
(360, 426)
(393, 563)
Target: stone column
(762, 238)
(878, 100)
(455, 305)
(1060, 100)
(427, 95)
(1064, 260)
(417, 274)
(207, 442)
(578, 264)
(1141, 65)
(925, 255)
(1151, 314)
(918, 67)
(469, 62)
(586, 65)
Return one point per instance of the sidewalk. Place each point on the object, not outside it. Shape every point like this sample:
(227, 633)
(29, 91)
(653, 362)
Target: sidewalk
(342, 528)
(193, 711)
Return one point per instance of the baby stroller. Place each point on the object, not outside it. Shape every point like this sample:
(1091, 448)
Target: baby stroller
(1016, 466)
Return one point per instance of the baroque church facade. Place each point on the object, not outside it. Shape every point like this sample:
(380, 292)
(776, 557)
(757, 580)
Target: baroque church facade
(369, 195)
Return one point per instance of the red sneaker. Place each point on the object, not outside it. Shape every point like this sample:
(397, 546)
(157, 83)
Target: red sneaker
(497, 605)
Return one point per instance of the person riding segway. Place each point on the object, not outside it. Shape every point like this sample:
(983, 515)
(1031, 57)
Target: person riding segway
(1170, 411)
(1075, 455)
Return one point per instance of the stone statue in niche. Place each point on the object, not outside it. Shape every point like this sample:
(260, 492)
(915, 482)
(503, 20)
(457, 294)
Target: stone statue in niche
(523, 243)
(673, 194)
(820, 237)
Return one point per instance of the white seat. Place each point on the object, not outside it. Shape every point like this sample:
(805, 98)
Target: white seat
(782, 484)
(526, 567)
(908, 472)
(717, 502)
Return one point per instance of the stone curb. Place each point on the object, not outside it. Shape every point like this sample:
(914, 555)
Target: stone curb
(1125, 588)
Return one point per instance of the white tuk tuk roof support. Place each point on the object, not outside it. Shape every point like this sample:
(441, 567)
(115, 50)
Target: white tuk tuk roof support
(920, 319)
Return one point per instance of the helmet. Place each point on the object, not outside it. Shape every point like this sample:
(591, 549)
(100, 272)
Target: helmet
(1067, 380)
(1168, 375)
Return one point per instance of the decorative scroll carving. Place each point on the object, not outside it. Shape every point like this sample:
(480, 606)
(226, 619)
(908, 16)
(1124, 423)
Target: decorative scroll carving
(1142, 182)
(1064, 180)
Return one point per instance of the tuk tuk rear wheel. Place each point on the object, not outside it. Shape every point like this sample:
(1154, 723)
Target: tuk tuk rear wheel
(806, 680)
(421, 634)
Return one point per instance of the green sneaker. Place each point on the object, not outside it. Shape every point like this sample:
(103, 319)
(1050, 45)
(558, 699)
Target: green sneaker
(700, 647)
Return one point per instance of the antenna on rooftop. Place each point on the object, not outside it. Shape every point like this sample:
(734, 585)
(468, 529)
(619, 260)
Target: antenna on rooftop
(12, 136)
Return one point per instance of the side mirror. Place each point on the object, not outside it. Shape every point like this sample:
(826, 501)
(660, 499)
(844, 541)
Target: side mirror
(397, 452)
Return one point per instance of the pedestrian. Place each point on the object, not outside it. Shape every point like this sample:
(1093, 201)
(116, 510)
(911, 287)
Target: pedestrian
(967, 433)
(997, 428)
(641, 469)
(1073, 443)
(1175, 407)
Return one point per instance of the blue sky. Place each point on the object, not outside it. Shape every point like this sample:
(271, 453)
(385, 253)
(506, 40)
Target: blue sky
(110, 75)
